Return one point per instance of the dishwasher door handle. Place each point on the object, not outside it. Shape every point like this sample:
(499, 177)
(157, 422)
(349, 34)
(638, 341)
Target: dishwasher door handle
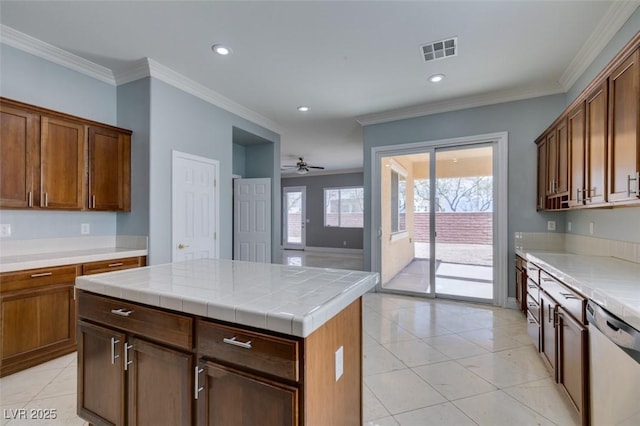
(619, 332)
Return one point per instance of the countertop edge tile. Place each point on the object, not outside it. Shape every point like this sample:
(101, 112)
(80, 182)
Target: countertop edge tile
(301, 321)
(610, 282)
(48, 260)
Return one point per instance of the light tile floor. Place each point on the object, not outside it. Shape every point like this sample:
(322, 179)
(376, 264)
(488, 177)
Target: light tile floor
(426, 362)
(435, 362)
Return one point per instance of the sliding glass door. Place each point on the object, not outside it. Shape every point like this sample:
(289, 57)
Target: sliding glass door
(436, 221)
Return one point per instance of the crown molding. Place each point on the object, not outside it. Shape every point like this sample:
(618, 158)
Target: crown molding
(615, 17)
(458, 104)
(51, 53)
(173, 78)
(142, 68)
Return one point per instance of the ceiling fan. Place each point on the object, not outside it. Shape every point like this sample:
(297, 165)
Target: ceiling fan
(302, 168)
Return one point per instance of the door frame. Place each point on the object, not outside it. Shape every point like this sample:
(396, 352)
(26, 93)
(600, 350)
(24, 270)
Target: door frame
(216, 200)
(303, 218)
(500, 208)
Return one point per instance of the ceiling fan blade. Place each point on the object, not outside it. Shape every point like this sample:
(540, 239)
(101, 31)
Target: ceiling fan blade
(316, 167)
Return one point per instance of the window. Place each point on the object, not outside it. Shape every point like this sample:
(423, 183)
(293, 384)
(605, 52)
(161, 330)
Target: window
(344, 207)
(398, 202)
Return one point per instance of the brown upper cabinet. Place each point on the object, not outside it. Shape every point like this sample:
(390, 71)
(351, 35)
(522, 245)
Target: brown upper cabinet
(109, 169)
(590, 155)
(52, 160)
(596, 146)
(624, 130)
(61, 163)
(19, 141)
(576, 140)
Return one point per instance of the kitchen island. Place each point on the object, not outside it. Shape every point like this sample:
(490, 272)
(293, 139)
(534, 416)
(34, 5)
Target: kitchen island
(220, 342)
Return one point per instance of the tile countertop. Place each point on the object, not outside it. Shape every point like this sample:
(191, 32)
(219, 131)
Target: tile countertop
(610, 282)
(21, 262)
(287, 299)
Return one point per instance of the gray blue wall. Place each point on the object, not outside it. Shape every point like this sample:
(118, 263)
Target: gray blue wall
(162, 118)
(27, 78)
(182, 122)
(317, 234)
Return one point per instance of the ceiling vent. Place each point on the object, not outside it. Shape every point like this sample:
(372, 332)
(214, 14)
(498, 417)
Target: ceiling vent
(440, 49)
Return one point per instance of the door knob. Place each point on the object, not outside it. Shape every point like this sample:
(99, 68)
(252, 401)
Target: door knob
(182, 246)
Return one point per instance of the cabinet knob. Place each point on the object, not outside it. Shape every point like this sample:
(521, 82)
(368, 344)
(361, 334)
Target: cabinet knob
(182, 246)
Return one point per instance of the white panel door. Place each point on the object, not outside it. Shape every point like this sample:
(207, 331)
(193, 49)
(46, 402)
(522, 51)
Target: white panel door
(194, 219)
(252, 220)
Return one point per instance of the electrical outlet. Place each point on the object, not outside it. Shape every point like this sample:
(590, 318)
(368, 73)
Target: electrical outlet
(591, 226)
(344, 243)
(568, 226)
(85, 229)
(5, 230)
(551, 225)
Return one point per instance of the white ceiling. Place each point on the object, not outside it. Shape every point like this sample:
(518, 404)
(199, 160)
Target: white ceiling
(350, 62)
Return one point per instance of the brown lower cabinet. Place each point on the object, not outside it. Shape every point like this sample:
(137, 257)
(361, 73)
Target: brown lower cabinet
(38, 312)
(233, 397)
(563, 340)
(38, 317)
(141, 365)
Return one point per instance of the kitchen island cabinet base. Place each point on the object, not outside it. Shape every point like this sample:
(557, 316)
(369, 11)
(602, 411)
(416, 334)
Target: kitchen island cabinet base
(313, 380)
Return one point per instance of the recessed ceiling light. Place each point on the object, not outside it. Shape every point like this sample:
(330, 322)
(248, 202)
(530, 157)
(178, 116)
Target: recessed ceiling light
(303, 108)
(221, 49)
(436, 78)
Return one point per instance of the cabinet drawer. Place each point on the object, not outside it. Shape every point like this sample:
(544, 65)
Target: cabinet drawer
(533, 273)
(32, 278)
(256, 351)
(153, 323)
(533, 307)
(111, 265)
(573, 302)
(533, 290)
(533, 329)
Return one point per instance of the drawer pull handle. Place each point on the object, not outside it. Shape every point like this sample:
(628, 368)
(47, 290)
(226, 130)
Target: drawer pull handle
(42, 274)
(569, 296)
(532, 286)
(532, 305)
(113, 265)
(113, 350)
(197, 388)
(233, 341)
(122, 312)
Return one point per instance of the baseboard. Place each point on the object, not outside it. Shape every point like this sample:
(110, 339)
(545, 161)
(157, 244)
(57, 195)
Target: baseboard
(337, 250)
(512, 303)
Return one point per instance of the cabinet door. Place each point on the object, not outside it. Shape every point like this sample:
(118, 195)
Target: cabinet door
(61, 163)
(561, 184)
(552, 163)
(101, 376)
(150, 368)
(20, 171)
(596, 137)
(231, 397)
(572, 361)
(548, 330)
(37, 325)
(542, 174)
(624, 129)
(109, 169)
(576, 141)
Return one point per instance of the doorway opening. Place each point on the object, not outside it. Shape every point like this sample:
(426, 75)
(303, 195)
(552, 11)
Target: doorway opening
(294, 218)
(438, 219)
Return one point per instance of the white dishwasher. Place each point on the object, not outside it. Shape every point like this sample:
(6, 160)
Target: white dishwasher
(614, 364)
